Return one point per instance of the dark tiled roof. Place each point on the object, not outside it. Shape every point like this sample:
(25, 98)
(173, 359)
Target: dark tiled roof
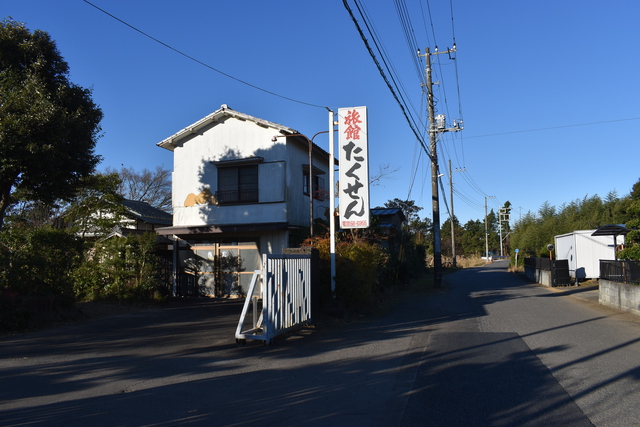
(388, 211)
(147, 213)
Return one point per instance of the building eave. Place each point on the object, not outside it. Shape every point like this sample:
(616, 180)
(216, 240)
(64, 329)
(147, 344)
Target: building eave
(224, 111)
(186, 232)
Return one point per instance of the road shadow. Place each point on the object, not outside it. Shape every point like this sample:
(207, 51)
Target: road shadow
(180, 365)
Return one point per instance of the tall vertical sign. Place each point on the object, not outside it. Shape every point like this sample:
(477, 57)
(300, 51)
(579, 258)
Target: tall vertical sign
(354, 167)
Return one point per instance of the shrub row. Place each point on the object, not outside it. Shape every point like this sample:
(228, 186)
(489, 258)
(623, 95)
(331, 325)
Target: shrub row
(365, 269)
(43, 270)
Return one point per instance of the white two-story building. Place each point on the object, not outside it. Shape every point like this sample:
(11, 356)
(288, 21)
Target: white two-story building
(240, 190)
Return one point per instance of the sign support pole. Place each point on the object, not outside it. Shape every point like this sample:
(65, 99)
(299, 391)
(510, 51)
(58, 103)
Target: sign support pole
(332, 204)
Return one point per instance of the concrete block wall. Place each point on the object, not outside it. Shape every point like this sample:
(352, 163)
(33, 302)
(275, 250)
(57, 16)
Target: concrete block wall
(539, 276)
(622, 296)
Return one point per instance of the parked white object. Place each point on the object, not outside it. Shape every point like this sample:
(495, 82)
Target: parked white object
(285, 295)
(584, 252)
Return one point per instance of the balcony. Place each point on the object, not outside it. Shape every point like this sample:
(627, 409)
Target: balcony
(233, 197)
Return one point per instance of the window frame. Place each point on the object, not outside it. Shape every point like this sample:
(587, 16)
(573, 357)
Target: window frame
(318, 184)
(245, 189)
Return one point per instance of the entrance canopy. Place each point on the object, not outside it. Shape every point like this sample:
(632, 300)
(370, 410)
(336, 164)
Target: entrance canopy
(611, 230)
(614, 230)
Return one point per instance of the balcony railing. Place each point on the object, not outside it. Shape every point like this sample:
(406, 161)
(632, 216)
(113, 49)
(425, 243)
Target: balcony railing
(237, 196)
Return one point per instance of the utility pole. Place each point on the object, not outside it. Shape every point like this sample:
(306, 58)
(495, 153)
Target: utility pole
(434, 130)
(332, 203)
(453, 235)
(504, 217)
(453, 228)
(486, 228)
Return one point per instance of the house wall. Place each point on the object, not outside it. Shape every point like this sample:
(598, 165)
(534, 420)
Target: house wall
(280, 176)
(298, 212)
(228, 139)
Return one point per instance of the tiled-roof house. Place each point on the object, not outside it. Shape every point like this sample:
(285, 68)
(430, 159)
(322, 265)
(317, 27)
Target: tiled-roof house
(145, 216)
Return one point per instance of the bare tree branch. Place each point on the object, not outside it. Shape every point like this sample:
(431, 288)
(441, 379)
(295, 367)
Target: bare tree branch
(153, 187)
(384, 172)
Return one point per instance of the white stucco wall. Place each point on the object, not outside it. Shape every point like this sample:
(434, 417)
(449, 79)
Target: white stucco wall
(229, 139)
(232, 214)
(280, 175)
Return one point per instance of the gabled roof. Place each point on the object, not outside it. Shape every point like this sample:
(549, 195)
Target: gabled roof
(147, 213)
(388, 212)
(223, 112)
(386, 217)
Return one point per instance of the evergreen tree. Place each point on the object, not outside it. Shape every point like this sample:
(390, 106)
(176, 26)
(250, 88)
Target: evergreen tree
(632, 239)
(49, 126)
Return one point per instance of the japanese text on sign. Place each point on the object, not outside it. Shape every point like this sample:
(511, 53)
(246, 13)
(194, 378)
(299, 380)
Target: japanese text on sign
(354, 168)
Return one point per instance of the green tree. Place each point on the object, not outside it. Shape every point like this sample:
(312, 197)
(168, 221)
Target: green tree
(473, 238)
(38, 260)
(33, 213)
(635, 191)
(632, 239)
(49, 126)
(95, 208)
(409, 208)
(446, 236)
(418, 229)
(119, 269)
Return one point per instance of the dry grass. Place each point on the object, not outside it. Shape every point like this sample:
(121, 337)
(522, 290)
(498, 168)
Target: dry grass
(469, 262)
(461, 261)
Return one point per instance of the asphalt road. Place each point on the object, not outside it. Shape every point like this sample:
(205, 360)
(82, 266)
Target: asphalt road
(492, 350)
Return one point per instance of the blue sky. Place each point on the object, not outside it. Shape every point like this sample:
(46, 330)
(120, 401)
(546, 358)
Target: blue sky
(548, 90)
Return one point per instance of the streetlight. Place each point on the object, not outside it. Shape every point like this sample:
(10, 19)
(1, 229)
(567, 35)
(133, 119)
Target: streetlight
(310, 141)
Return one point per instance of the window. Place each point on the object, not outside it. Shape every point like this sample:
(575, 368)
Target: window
(318, 184)
(237, 184)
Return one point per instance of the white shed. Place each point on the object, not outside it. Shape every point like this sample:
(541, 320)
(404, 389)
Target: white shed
(584, 251)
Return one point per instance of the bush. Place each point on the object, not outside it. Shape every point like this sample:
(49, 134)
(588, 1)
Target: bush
(13, 316)
(359, 264)
(36, 274)
(39, 261)
(119, 269)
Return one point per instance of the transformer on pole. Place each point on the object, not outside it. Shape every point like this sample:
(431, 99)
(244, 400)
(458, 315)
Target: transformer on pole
(436, 125)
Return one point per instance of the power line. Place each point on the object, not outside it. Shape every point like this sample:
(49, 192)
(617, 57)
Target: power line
(469, 202)
(555, 127)
(384, 76)
(200, 62)
(405, 21)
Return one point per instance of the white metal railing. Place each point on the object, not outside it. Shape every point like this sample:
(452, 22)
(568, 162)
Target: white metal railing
(285, 296)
